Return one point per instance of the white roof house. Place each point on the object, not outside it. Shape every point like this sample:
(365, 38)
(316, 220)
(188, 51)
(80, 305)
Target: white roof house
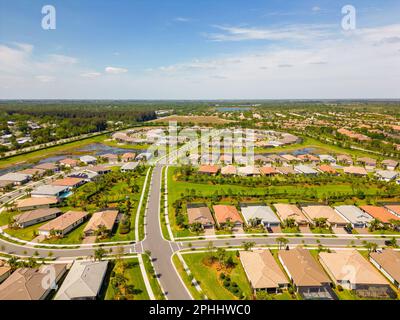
(263, 213)
(386, 175)
(129, 166)
(144, 156)
(49, 191)
(83, 281)
(88, 159)
(357, 217)
(15, 177)
(248, 171)
(327, 157)
(305, 169)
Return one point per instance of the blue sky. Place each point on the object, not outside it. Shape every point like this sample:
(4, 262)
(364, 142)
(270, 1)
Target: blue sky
(198, 49)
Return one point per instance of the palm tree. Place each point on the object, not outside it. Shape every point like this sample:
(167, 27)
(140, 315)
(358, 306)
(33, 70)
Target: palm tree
(99, 254)
(248, 245)
(13, 263)
(370, 246)
(281, 242)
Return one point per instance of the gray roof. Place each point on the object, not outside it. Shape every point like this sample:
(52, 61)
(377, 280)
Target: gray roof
(258, 211)
(84, 280)
(87, 159)
(354, 214)
(387, 174)
(49, 190)
(130, 166)
(305, 169)
(15, 177)
(36, 214)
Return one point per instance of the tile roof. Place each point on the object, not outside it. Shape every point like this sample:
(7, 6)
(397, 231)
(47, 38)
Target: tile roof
(224, 213)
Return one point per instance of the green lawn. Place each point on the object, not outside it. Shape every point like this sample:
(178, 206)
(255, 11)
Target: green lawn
(208, 277)
(73, 237)
(27, 234)
(188, 282)
(134, 276)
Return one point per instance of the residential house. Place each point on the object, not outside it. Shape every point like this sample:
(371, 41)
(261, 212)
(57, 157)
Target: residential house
(291, 211)
(380, 213)
(386, 175)
(369, 163)
(286, 170)
(69, 182)
(389, 164)
(308, 158)
(350, 270)
(86, 175)
(46, 191)
(211, 170)
(88, 160)
(248, 171)
(355, 171)
(110, 157)
(100, 169)
(260, 159)
(16, 178)
(33, 172)
(129, 166)
(394, 209)
(6, 185)
(307, 275)
(102, 219)
(354, 215)
(144, 156)
(229, 170)
(27, 283)
(224, 214)
(5, 271)
(84, 281)
(388, 262)
(47, 167)
(262, 271)
(226, 158)
(29, 218)
(36, 203)
(327, 158)
(69, 163)
(289, 157)
(200, 213)
(326, 168)
(317, 211)
(303, 169)
(268, 171)
(262, 214)
(344, 158)
(127, 157)
(63, 224)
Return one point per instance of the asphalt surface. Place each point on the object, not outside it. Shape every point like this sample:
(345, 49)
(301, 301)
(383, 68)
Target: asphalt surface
(161, 249)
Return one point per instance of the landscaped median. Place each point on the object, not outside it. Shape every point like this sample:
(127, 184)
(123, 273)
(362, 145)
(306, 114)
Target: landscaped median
(152, 276)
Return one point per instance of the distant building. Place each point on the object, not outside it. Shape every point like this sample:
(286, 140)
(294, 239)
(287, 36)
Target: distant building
(88, 159)
(129, 166)
(36, 203)
(46, 191)
(16, 178)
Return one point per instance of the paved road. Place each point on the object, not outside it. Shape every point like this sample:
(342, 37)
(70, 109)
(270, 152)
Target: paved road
(162, 250)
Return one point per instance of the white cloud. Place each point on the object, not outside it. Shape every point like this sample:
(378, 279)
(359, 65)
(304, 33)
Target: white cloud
(291, 32)
(114, 70)
(315, 9)
(182, 19)
(61, 59)
(44, 78)
(91, 75)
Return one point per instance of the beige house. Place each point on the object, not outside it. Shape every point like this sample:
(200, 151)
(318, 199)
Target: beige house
(63, 224)
(36, 203)
(333, 218)
(388, 262)
(26, 283)
(350, 270)
(106, 219)
(262, 271)
(200, 214)
(307, 275)
(33, 217)
(291, 211)
(5, 271)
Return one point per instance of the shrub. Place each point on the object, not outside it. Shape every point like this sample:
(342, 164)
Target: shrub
(340, 288)
(227, 283)
(222, 276)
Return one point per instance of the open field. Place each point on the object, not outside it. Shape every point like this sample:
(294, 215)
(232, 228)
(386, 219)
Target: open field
(194, 119)
(208, 277)
(134, 278)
